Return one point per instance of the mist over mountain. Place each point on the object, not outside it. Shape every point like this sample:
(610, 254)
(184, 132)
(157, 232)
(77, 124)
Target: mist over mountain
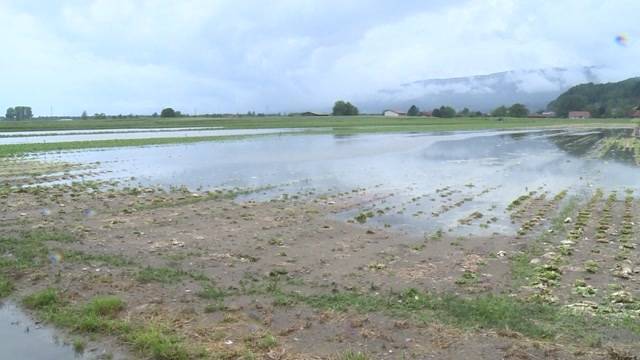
(534, 88)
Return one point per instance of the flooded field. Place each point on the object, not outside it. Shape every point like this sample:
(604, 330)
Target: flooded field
(518, 245)
(419, 182)
(33, 137)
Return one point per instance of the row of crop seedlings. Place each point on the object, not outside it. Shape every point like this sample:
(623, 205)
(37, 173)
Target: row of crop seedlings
(541, 213)
(618, 300)
(626, 231)
(604, 225)
(548, 275)
(584, 215)
(523, 203)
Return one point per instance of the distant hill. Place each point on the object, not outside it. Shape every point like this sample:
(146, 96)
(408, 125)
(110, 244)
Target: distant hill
(534, 88)
(617, 99)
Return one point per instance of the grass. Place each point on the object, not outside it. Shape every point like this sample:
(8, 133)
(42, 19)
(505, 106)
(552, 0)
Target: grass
(162, 275)
(166, 275)
(79, 345)
(107, 259)
(211, 292)
(489, 312)
(267, 341)
(6, 286)
(45, 299)
(28, 250)
(353, 355)
(101, 315)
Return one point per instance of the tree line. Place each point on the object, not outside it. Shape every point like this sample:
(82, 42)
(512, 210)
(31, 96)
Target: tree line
(515, 110)
(610, 100)
(19, 113)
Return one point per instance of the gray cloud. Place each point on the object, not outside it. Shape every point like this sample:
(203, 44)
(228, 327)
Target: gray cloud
(122, 56)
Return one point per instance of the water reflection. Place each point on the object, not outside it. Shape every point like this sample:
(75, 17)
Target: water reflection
(492, 168)
(22, 338)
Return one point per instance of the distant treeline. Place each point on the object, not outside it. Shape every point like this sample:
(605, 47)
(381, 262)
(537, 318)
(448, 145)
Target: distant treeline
(611, 100)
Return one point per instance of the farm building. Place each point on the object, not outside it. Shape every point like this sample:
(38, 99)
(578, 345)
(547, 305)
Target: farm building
(311, 113)
(636, 113)
(426, 113)
(549, 114)
(579, 115)
(393, 113)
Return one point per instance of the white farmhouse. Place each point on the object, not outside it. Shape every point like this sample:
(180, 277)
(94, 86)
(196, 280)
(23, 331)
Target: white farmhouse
(392, 113)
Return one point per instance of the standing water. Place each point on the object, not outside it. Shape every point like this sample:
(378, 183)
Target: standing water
(24, 339)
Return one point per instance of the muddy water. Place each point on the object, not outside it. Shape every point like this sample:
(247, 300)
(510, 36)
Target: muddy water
(22, 338)
(479, 171)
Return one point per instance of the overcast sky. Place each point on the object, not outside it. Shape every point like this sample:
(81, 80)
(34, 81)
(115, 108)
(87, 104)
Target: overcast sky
(136, 56)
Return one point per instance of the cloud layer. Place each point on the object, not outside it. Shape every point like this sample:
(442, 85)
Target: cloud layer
(128, 56)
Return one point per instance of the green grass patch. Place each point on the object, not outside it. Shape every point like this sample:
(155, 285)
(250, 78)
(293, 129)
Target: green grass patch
(211, 292)
(267, 341)
(29, 249)
(353, 355)
(101, 315)
(492, 312)
(6, 286)
(43, 300)
(162, 275)
(79, 345)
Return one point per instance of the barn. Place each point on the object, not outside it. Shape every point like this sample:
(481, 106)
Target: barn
(392, 113)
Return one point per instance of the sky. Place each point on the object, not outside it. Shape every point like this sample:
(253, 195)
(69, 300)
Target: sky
(213, 56)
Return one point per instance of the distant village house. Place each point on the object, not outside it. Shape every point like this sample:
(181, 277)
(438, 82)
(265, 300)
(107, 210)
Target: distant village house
(311, 113)
(579, 115)
(393, 113)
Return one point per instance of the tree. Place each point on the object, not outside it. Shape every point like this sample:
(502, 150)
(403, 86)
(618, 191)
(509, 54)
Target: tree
(444, 112)
(344, 108)
(570, 103)
(413, 111)
(84, 115)
(155, 114)
(167, 113)
(19, 113)
(500, 111)
(11, 114)
(518, 110)
(465, 112)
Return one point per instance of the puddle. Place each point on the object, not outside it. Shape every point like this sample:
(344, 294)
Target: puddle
(481, 171)
(22, 338)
